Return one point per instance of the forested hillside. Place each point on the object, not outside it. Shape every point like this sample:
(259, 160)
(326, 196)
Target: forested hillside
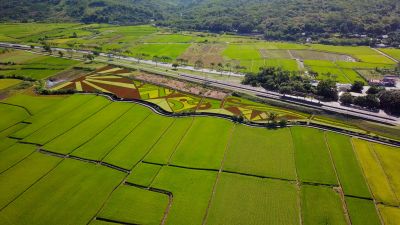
(275, 19)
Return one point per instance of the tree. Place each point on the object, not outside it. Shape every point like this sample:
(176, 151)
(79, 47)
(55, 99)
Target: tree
(220, 67)
(74, 35)
(156, 59)
(369, 101)
(272, 117)
(372, 102)
(390, 101)
(284, 89)
(89, 57)
(346, 99)
(139, 56)
(165, 58)
(175, 65)
(32, 47)
(71, 47)
(327, 90)
(212, 65)
(198, 64)
(229, 66)
(373, 90)
(357, 86)
(61, 54)
(47, 47)
(283, 123)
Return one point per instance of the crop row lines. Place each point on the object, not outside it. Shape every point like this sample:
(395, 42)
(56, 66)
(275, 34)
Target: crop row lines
(298, 184)
(340, 188)
(368, 185)
(165, 192)
(16, 197)
(214, 189)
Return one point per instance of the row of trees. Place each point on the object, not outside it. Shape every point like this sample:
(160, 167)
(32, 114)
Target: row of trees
(286, 82)
(375, 99)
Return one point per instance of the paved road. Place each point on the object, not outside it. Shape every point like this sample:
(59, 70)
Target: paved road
(329, 106)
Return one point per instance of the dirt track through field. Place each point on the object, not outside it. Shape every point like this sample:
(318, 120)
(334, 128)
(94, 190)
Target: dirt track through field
(365, 179)
(298, 185)
(214, 189)
(340, 188)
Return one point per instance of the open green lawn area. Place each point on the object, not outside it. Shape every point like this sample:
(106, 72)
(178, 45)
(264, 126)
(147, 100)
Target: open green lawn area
(121, 163)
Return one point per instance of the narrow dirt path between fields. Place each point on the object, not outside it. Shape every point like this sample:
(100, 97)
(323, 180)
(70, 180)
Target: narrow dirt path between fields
(179, 142)
(384, 171)
(122, 139)
(298, 183)
(366, 181)
(218, 175)
(340, 188)
(165, 192)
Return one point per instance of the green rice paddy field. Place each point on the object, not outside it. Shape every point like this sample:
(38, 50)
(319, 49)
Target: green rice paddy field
(82, 159)
(237, 53)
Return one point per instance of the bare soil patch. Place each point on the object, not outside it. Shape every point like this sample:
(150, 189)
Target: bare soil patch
(207, 53)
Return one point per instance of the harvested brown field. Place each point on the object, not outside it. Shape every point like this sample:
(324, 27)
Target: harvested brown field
(207, 53)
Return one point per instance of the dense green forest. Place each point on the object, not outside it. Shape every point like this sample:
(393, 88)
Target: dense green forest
(334, 21)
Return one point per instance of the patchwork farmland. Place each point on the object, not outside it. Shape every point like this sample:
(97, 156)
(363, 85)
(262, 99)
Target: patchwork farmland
(108, 145)
(129, 85)
(220, 52)
(121, 163)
